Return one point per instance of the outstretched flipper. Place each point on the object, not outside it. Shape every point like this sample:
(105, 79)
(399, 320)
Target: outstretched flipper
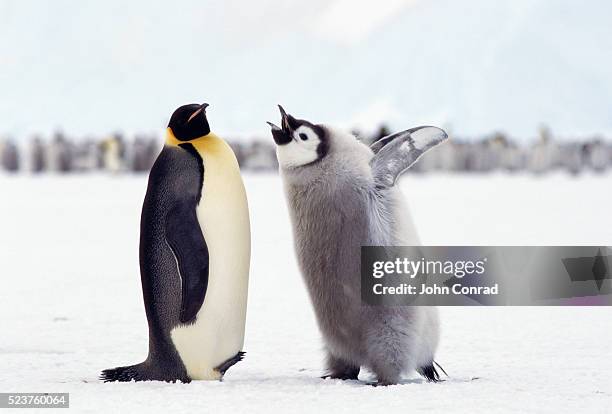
(396, 153)
(191, 252)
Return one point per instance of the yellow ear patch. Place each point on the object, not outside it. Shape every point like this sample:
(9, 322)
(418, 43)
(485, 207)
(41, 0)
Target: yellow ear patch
(209, 146)
(172, 141)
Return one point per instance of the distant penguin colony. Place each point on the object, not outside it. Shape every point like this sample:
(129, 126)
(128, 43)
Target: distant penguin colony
(194, 256)
(341, 196)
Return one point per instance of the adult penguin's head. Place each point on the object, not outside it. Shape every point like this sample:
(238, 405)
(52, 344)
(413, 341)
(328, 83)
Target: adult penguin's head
(189, 122)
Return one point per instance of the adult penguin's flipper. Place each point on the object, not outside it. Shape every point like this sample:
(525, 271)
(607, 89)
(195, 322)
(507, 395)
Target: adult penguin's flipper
(185, 238)
(396, 153)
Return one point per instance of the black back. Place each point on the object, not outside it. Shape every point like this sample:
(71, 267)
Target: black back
(173, 253)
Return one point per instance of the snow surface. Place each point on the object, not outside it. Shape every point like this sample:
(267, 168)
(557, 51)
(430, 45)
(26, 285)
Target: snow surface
(70, 303)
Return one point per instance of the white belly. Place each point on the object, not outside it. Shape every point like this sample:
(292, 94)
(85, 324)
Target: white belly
(218, 331)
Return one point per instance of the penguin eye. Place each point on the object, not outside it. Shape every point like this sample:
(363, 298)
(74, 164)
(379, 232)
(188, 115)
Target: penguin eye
(303, 136)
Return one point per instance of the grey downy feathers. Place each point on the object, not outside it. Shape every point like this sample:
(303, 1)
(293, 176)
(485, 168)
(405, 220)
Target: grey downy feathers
(341, 196)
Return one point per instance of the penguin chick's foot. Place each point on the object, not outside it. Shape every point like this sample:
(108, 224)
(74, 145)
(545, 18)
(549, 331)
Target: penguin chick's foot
(338, 368)
(230, 362)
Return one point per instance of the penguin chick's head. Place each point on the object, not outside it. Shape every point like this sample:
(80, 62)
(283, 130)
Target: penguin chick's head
(298, 142)
(189, 122)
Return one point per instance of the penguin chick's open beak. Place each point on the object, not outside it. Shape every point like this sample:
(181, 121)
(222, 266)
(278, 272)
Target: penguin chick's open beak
(285, 118)
(274, 127)
(280, 136)
(200, 109)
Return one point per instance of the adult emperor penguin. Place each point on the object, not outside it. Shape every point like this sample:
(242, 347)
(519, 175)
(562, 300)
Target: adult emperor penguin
(194, 256)
(341, 196)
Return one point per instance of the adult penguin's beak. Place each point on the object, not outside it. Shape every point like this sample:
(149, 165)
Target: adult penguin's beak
(198, 111)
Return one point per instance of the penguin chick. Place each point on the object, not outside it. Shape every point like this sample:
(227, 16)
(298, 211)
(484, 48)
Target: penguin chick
(341, 196)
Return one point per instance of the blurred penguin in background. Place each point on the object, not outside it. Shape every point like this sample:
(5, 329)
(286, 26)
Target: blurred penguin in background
(59, 154)
(9, 156)
(144, 151)
(598, 155)
(37, 155)
(111, 154)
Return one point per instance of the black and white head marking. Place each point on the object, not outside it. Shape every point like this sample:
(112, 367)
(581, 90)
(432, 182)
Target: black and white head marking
(298, 142)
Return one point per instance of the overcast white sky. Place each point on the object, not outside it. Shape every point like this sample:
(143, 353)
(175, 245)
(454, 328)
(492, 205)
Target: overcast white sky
(472, 66)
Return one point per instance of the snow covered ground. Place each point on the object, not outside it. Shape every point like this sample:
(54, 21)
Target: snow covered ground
(70, 303)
